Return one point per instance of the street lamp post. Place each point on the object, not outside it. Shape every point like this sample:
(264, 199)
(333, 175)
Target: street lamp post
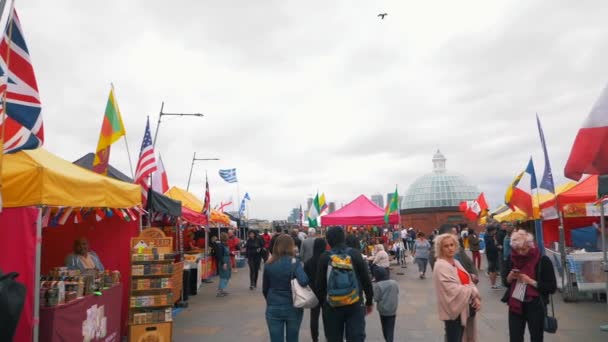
(160, 115)
(192, 166)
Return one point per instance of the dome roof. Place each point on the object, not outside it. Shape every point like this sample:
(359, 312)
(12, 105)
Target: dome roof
(439, 188)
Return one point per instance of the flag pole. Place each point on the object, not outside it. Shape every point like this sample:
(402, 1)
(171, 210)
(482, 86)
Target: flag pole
(538, 226)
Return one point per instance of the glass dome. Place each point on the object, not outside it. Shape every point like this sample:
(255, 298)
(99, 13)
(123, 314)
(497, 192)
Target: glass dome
(439, 188)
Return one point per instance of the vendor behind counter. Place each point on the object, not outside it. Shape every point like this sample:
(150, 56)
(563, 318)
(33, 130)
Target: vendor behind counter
(82, 258)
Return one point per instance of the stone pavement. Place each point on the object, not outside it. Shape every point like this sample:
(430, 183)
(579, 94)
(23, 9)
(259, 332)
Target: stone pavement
(240, 316)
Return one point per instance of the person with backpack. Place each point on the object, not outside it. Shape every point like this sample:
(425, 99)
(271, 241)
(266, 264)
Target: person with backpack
(310, 267)
(282, 318)
(12, 299)
(342, 279)
(386, 294)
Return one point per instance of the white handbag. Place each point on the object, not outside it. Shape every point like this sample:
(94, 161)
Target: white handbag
(302, 296)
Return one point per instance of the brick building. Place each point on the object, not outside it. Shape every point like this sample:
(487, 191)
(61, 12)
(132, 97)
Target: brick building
(433, 199)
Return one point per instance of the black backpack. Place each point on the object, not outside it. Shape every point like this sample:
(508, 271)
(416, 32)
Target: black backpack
(12, 297)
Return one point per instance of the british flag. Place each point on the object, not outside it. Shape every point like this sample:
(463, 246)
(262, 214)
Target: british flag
(146, 164)
(23, 122)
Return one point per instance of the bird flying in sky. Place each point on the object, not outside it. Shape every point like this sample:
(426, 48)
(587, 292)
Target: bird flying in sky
(382, 15)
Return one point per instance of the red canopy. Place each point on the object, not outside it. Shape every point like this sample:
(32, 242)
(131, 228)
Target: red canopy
(193, 217)
(583, 192)
(360, 211)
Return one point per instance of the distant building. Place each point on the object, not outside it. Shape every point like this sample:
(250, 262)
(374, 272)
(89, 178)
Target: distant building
(378, 199)
(308, 203)
(332, 207)
(294, 217)
(433, 199)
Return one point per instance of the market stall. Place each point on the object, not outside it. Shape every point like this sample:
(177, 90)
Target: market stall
(41, 189)
(361, 211)
(580, 216)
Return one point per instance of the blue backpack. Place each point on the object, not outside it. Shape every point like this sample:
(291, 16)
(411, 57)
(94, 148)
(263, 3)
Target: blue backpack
(342, 282)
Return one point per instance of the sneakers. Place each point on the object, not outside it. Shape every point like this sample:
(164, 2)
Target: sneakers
(251, 287)
(496, 287)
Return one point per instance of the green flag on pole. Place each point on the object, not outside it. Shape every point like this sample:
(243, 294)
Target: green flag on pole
(392, 206)
(314, 212)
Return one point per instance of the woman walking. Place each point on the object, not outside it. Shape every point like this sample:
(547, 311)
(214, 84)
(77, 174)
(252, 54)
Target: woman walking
(529, 279)
(458, 299)
(282, 318)
(310, 267)
(474, 246)
(422, 249)
(223, 265)
(254, 249)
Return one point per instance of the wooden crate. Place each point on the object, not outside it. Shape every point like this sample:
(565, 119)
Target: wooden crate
(157, 332)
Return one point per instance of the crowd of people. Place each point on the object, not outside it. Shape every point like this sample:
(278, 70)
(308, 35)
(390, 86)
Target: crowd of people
(349, 272)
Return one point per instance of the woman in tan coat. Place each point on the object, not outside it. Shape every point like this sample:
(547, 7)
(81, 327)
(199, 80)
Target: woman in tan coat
(457, 297)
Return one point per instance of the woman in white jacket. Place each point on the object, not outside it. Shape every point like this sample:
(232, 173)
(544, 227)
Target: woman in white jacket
(379, 259)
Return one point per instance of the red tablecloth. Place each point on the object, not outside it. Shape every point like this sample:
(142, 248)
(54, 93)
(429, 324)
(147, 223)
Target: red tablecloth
(95, 316)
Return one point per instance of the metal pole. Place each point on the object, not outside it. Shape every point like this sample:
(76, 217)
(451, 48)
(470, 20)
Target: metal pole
(160, 114)
(37, 276)
(567, 288)
(603, 231)
(191, 167)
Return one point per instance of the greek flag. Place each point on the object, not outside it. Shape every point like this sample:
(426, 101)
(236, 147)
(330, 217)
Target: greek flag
(229, 175)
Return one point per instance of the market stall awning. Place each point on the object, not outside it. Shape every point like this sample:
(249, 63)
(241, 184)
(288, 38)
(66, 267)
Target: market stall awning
(187, 198)
(38, 177)
(219, 217)
(360, 211)
(583, 192)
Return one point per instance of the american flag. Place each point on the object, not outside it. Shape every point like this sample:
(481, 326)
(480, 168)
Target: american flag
(207, 203)
(23, 122)
(146, 164)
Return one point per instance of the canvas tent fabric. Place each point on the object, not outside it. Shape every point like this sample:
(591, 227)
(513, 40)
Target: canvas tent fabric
(38, 177)
(164, 204)
(86, 161)
(360, 211)
(192, 202)
(583, 192)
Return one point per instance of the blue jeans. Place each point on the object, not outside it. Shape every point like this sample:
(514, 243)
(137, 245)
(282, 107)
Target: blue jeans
(223, 283)
(349, 319)
(282, 318)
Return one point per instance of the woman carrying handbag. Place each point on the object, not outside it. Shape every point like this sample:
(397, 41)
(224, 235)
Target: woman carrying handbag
(282, 318)
(530, 280)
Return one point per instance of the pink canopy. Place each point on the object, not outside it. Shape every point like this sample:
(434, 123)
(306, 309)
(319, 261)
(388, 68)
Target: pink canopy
(359, 211)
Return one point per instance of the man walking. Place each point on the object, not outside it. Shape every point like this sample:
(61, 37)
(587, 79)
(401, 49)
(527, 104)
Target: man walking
(342, 279)
(308, 245)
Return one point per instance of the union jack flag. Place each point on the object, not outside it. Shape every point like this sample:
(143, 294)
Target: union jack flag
(23, 122)
(146, 164)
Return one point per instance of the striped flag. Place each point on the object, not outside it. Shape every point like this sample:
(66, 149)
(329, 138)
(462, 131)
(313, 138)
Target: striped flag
(112, 129)
(229, 175)
(547, 181)
(207, 203)
(64, 216)
(146, 164)
(100, 214)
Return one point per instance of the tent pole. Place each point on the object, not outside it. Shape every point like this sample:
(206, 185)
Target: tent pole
(567, 288)
(605, 252)
(37, 276)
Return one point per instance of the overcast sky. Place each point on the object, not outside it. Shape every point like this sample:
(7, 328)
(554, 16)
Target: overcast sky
(302, 96)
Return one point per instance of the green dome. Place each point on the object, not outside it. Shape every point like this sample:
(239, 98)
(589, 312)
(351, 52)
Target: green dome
(439, 188)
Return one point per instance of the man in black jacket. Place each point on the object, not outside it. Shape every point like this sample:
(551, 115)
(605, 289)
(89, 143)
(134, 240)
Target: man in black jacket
(349, 318)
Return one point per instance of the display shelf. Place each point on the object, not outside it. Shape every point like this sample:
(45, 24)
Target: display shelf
(166, 275)
(153, 289)
(152, 306)
(148, 323)
(151, 262)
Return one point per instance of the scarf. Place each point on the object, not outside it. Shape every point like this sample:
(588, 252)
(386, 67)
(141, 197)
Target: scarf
(526, 265)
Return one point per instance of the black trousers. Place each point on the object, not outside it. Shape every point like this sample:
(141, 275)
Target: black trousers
(453, 330)
(254, 270)
(388, 327)
(532, 314)
(349, 318)
(314, 322)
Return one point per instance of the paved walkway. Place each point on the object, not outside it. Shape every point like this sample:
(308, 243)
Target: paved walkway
(240, 316)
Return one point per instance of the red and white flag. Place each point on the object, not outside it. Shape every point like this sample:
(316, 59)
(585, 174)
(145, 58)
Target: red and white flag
(474, 209)
(160, 182)
(589, 154)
